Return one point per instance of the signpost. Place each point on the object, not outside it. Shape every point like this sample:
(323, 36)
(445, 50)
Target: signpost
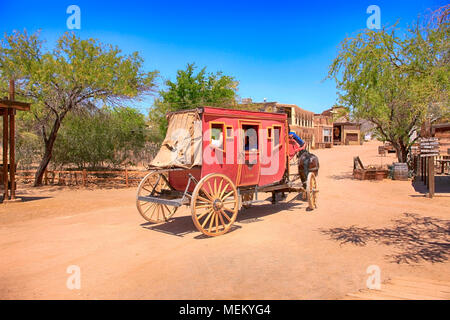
(429, 147)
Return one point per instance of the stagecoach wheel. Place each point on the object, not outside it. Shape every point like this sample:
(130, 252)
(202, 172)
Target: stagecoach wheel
(311, 190)
(152, 185)
(214, 204)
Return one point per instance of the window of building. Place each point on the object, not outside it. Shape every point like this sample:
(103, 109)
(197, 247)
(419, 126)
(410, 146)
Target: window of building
(326, 135)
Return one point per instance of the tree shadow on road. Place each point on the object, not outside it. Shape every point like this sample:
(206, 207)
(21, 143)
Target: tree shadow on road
(417, 238)
(181, 226)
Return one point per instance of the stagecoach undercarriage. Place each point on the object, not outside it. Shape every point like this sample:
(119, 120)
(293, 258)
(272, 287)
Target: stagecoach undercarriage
(215, 200)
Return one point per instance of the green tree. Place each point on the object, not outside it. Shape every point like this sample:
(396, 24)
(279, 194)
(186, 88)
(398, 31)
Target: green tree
(77, 74)
(110, 136)
(191, 90)
(395, 80)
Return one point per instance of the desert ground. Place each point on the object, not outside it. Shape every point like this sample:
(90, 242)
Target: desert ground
(280, 251)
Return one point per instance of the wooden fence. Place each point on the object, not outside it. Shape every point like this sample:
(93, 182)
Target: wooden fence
(83, 178)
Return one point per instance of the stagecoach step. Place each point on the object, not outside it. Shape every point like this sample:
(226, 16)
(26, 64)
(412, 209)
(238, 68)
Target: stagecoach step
(169, 202)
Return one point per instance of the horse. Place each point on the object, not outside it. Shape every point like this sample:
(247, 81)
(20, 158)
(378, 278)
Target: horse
(307, 162)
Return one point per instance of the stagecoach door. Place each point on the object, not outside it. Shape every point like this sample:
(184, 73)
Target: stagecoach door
(249, 153)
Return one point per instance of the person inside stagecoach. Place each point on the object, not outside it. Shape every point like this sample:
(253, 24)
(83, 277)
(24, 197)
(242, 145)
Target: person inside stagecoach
(251, 141)
(217, 138)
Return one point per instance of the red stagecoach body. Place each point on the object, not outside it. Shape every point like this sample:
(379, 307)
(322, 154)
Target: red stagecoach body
(264, 165)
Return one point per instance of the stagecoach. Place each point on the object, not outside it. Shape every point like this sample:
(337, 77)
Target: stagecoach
(217, 161)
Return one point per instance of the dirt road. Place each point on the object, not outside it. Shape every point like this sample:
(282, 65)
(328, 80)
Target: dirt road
(277, 251)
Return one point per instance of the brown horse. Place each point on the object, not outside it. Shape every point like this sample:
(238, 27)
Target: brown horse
(307, 162)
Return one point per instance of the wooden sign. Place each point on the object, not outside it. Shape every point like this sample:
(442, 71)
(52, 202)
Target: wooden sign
(381, 150)
(429, 147)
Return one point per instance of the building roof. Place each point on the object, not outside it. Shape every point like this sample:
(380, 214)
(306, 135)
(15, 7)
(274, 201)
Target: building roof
(287, 105)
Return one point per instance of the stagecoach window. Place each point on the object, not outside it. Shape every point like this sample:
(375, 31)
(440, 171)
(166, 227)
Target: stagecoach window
(250, 137)
(269, 133)
(230, 132)
(276, 134)
(217, 135)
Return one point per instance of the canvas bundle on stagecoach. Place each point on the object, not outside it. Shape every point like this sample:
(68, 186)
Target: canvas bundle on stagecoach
(182, 146)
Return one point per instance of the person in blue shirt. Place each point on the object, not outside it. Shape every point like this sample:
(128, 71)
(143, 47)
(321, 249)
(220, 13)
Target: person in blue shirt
(304, 159)
(297, 138)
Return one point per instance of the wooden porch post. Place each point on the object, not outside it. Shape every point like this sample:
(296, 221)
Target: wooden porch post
(5, 154)
(431, 177)
(12, 143)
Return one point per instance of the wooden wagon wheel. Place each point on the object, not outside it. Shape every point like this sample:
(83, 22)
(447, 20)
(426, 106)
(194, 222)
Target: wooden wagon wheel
(214, 204)
(311, 190)
(153, 184)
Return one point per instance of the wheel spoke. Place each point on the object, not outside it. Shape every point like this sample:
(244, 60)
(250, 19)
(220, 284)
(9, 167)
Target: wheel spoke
(203, 214)
(223, 191)
(211, 191)
(204, 199)
(211, 223)
(153, 211)
(146, 210)
(164, 212)
(203, 206)
(219, 188)
(210, 197)
(149, 191)
(226, 216)
(221, 218)
(207, 218)
(228, 194)
(157, 208)
(227, 202)
(217, 222)
(144, 203)
(228, 209)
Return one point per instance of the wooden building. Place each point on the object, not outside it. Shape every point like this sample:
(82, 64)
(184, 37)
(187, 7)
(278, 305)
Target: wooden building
(346, 133)
(323, 131)
(442, 132)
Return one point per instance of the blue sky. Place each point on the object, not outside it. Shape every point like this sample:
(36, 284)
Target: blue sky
(279, 50)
